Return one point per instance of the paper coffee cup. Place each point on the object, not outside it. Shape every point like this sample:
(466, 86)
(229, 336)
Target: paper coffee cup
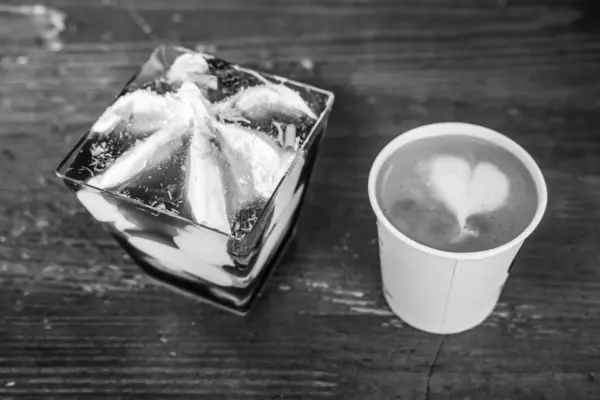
(438, 291)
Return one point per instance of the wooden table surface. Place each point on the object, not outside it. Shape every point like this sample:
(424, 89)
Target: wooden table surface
(79, 320)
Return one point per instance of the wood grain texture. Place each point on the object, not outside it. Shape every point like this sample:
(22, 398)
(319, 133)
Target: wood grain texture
(78, 320)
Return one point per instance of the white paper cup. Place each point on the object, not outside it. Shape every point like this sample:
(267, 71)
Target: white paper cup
(438, 291)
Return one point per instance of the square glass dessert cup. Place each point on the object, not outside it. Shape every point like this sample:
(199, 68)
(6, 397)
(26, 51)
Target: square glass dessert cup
(198, 169)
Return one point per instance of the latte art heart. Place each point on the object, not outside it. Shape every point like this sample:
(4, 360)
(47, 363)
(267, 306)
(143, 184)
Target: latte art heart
(467, 190)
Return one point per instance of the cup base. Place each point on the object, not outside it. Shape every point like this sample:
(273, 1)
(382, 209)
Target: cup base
(238, 301)
(431, 329)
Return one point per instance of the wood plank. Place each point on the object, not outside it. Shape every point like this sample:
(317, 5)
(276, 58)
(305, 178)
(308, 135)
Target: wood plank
(80, 321)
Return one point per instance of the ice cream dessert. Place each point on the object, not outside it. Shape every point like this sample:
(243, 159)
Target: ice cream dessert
(196, 162)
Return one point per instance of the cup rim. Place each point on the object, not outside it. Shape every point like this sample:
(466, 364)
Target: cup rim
(465, 129)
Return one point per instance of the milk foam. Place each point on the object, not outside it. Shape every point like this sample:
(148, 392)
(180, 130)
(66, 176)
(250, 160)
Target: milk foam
(465, 189)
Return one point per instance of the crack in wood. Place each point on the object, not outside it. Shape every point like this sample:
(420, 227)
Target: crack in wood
(141, 22)
(432, 367)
